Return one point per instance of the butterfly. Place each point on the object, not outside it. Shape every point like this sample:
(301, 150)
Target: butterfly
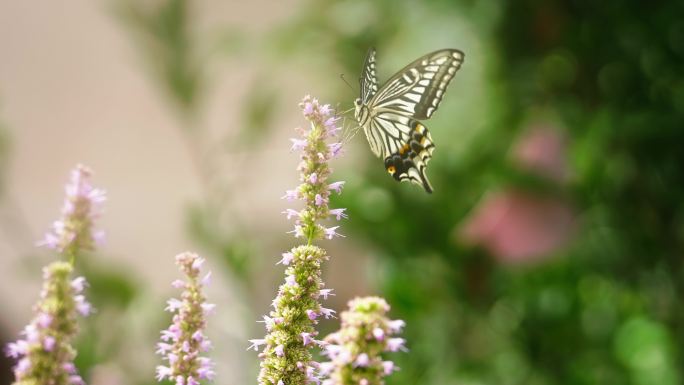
(390, 115)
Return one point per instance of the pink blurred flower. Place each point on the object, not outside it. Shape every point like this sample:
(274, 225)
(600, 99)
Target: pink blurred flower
(519, 227)
(542, 150)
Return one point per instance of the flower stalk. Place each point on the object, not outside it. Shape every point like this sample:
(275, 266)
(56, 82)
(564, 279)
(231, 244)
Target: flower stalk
(286, 358)
(44, 354)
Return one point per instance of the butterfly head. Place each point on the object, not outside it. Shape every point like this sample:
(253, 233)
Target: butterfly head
(361, 111)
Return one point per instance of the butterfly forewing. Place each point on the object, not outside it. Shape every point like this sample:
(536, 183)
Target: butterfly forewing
(368, 80)
(418, 89)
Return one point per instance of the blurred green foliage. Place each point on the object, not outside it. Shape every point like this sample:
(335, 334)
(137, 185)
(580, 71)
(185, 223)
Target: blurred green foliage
(163, 31)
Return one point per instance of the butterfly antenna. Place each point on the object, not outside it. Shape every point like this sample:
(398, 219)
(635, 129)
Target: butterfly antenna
(347, 83)
(347, 133)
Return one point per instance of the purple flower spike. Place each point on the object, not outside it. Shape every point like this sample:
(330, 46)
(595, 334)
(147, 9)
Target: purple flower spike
(45, 354)
(355, 359)
(74, 232)
(296, 310)
(184, 341)
(314, 172)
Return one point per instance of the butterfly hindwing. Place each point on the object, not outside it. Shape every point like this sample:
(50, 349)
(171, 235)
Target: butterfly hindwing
(405, 145)
(410, 157)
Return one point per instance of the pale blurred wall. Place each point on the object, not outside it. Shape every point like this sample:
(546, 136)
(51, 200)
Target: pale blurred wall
(75, 89)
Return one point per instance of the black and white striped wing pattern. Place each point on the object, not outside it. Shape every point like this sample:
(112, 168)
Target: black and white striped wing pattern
(418, 89)
(368, 80)
(413, 94)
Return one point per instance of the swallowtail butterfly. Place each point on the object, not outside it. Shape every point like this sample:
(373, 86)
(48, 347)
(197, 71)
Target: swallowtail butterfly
(390, 115)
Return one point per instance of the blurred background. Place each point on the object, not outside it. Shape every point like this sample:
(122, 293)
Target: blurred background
(550, 253)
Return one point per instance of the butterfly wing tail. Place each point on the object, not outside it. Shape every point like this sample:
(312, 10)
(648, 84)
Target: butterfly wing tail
(410, 161)
(420, 179)
(421, 143)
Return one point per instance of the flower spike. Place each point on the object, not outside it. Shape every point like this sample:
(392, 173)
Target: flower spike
(286, 358)
(355, 350)
(184, 341)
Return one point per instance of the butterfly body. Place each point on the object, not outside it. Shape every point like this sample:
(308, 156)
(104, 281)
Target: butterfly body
(390, 115)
